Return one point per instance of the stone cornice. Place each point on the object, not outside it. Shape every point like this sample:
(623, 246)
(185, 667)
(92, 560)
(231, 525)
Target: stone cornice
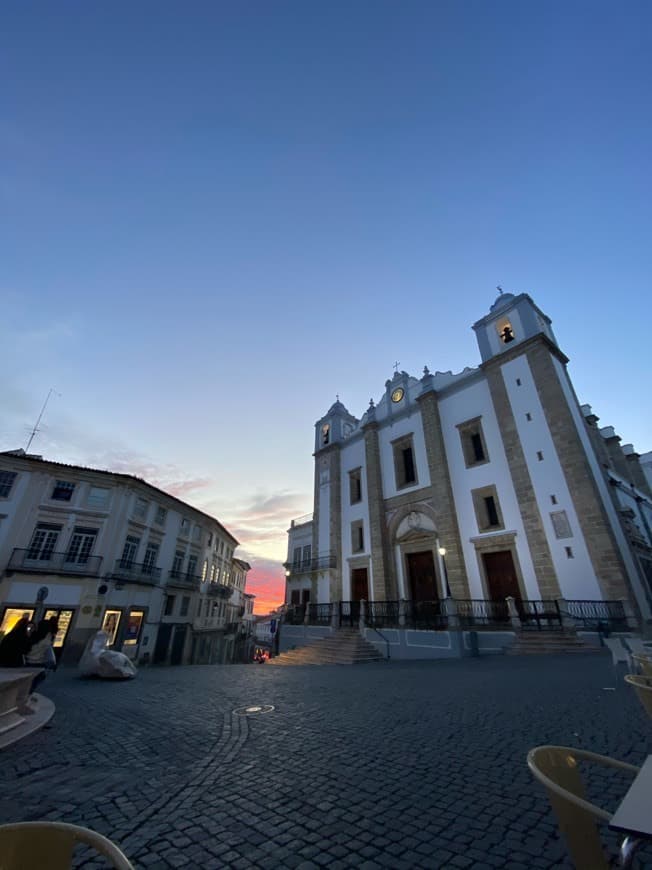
(523, 347)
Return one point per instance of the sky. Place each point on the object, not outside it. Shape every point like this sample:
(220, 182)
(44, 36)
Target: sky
(216, 216)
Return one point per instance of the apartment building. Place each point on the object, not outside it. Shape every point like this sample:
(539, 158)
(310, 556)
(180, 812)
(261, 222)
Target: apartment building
(102, 550)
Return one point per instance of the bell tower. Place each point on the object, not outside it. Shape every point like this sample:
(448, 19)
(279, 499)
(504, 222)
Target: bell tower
(511, 320)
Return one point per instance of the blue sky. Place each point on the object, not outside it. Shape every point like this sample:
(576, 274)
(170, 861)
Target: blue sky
(216, 216)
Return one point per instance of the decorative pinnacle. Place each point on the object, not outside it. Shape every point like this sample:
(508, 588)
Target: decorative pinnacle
(426, 371)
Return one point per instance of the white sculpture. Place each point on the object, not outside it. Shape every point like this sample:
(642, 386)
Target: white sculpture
(98, 661)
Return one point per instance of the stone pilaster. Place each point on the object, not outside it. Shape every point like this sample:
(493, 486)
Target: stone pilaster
(535, 533)
(442, 495)
(335, 473)
(383, 579)
(590, 510)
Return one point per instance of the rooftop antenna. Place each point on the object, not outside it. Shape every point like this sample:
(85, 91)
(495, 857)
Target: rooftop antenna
(36, 429)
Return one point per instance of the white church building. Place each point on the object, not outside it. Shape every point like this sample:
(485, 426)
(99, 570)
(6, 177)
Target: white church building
(486, 485)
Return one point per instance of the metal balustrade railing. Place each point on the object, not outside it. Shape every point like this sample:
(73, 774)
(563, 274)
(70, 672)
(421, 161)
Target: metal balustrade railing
(478, 613)
(597, 614)
(469, 614)
(307, 566)
(44, 561)
(135, 572)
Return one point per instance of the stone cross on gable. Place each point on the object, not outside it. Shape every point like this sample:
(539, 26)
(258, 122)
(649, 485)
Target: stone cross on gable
(396, 365)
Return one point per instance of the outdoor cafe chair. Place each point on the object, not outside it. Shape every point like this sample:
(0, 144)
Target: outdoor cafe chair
(557, 769)
(643, 664)
(643, 688)
(619, 653)
(28, 845)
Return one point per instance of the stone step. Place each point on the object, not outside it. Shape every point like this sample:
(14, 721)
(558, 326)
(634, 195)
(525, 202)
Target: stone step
(345, 647)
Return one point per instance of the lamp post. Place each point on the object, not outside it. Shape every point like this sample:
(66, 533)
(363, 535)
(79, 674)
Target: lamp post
(442, 553)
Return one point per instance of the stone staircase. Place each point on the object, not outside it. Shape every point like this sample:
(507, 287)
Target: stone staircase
(547, 642)
(343, 647)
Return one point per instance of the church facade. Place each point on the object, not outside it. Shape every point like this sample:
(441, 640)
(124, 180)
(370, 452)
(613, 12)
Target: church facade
(482, 485)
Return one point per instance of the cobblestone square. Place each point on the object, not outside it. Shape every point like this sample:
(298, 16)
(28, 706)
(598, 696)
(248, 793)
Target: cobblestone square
(392, 765)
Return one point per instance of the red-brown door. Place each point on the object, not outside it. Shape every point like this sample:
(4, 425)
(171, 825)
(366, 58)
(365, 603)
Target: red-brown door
(359, 585)
(422, 579)
(501, 576)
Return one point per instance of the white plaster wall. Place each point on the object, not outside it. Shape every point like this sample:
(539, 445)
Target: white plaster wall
(323, 528)
(59, 594)
(576, 576)
(632, 573)
(323, 589)
(466, 404)
(387, 434)
(353, 456)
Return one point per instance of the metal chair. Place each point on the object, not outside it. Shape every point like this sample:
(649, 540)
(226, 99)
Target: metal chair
(643, 664)
(556, 767)
(643, 688)
(27, 845)
(619, 653)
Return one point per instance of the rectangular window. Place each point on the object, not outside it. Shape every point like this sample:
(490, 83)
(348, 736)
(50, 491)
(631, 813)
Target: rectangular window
(204, 571)
(474, 446)
(177, 564)
(305, 596)
(213, 572)
(43, 542)
(210, 539)
(560, 524)
(169, 605)
(196, 533)
(80, 546)
(296, 561)
(192, 566)
(7, 479)
(129, 552)
(487, 509)
(134, 626)
(539, 455)
(160, 516)
(149, 561)
(140, 508)
(553, 499)
(528, 417)
(404, 467)
(63, 490)
(98, 497)
(295, 596)
(357, 537)
(185, 527)
(355, 485)
(569, 553)
(185, 605)
(306, 556)
(199, 607)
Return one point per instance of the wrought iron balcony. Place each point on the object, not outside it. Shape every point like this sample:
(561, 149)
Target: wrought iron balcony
(33, 561)
(219, 590)
(183, 580)
(307, 566)
(133, 572)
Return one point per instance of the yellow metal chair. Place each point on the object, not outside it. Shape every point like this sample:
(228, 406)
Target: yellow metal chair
(644, 664)
(643, 688)
(557, 768)
(30, 845)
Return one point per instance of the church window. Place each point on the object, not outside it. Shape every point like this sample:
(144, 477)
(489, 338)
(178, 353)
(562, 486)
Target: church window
(553, 499)
(569, 553)
(560, 524)
(325, 434)
(540, 455)
(518, 382)
(357, 537)
(474, 446)
(404, 465)
(528, 417)
(355, 485)
(487, 509)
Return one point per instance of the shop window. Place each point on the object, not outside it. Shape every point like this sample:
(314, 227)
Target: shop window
(110, 624)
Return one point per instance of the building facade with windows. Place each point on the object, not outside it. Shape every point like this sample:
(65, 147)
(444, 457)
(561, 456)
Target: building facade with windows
(487, 484)
(106, 550)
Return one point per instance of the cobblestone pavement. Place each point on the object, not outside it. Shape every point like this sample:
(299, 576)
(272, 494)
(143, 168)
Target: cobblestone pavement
(394, 765)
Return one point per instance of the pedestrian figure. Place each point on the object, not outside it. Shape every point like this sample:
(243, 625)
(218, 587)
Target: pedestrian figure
(15, 644)
(41, 652)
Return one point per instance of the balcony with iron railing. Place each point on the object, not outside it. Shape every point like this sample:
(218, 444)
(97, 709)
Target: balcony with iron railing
(134, 572)
(44, 562)
(183, 580)
(308, 566)
(219, 590)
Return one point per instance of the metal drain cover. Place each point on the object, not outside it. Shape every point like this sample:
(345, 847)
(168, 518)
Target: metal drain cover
(254, 709)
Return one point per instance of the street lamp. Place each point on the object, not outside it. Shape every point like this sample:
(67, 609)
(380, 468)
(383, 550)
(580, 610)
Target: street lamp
(442, 553)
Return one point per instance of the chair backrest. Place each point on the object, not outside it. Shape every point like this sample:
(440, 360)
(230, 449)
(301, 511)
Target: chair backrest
(643, 688)
(556, 767)
(644, 664)
(51, 844)
(617, 650)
